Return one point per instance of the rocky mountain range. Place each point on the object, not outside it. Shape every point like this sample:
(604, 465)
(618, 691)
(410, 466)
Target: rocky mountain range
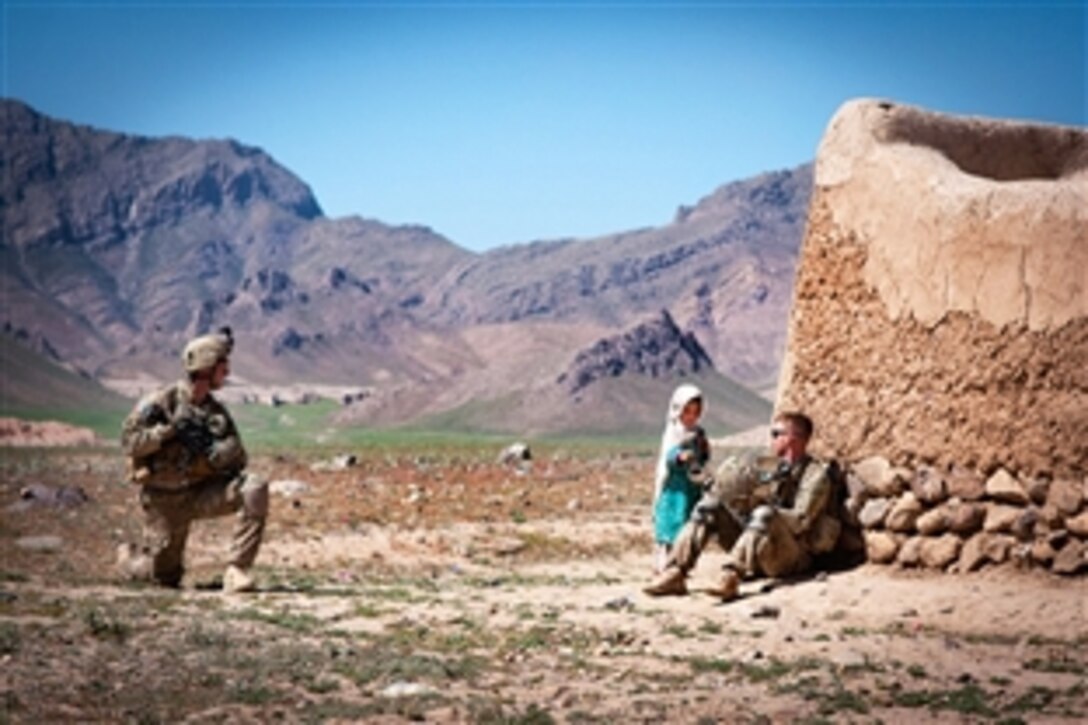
(117, 248)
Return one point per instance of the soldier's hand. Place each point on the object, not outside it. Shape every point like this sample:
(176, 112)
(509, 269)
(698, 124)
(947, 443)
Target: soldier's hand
(193, 434)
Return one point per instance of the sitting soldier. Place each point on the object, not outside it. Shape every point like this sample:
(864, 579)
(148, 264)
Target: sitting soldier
(772, 515)
(185, 454)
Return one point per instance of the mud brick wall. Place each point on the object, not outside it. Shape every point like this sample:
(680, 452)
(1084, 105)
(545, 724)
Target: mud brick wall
(940, 323)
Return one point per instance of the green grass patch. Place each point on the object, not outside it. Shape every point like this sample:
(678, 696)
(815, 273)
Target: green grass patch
(967, 700)
(292, 621)
(711, 664)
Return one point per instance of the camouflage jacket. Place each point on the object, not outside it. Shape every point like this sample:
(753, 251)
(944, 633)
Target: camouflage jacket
(803, 494)
(172, 443)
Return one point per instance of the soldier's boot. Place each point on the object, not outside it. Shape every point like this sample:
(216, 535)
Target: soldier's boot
(670, 582)
(133, 565)
(728, 586)
(236, 579)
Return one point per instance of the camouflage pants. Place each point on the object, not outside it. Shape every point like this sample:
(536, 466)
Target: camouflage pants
(766, 548)
(169, 514)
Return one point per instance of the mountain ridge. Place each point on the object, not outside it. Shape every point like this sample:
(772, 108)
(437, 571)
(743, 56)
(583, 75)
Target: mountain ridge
(118, 248)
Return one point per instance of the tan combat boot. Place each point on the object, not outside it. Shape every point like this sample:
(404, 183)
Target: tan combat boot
(728, 586)
(669, 582)
(236, 579)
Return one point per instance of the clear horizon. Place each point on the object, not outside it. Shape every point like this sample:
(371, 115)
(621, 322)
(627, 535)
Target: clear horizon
(502, 123)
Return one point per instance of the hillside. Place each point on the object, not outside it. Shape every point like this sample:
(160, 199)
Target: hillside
(33, 386)
(118, 248)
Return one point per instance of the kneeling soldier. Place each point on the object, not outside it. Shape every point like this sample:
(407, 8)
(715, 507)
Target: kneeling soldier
(185, 454)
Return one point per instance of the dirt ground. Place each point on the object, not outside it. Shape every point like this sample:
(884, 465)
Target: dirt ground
(448, 587)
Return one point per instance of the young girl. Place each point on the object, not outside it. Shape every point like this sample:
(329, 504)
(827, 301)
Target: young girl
(684, 449)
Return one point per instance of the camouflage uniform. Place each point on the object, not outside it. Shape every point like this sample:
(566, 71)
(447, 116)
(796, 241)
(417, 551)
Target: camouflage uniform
(190, 464)
(770, 517)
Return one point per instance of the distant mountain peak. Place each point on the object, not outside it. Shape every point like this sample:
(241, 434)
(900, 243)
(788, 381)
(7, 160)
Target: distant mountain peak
(655, 348)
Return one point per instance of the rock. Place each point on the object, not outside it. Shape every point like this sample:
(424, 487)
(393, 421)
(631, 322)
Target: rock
(1000, 517)
(998, 547)
(1042, 552)
(965, 518)
(880, 547)
(1078, 525)
(928, 486)
(407, 689)
(46, 544)
(1071, 558)
(973, 553)
(933, 522)
(341, 462)
(1037, 489)
(288, 488)
(965, 485)
(855, 487)
(574, 504)
(1024, 526)
(1052, 517)
(939, 552)
(1004, 488)
(1066, 495)
(620, 604)
(910, 553)
(515, 454)
(904, 512)
(878, 476)
(38, 495)
(1057, 539)
(874, 511)
(766, 611)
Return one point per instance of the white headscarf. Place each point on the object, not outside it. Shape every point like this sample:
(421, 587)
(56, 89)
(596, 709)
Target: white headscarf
(674, 430)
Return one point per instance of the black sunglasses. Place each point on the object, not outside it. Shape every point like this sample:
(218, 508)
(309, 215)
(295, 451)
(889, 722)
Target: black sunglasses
(777, 432)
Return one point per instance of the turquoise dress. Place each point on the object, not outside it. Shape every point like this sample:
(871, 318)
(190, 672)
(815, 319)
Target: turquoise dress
(678, 494)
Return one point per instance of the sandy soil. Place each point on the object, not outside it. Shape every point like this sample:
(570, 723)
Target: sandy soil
(449, 588)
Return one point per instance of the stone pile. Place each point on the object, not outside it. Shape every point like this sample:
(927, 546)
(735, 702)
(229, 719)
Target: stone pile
(957, 520)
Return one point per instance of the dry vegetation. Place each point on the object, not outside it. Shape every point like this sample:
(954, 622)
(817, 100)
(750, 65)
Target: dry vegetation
(446, 587)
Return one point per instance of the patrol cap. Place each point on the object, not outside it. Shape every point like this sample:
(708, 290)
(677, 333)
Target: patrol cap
(202, 353)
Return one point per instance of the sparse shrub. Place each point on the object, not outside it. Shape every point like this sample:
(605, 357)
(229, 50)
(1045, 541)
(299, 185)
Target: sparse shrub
(104, 626)
(764, 673)
(711, 664)
(1057, 664)
(9, 638)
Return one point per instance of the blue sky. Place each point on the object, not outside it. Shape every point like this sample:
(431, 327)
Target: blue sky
(499, 123)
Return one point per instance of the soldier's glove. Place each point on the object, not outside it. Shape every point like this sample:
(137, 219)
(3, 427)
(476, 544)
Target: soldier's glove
(194, 435)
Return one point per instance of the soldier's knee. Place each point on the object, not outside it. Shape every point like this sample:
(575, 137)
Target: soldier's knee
(761, 517)
(255, 496)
